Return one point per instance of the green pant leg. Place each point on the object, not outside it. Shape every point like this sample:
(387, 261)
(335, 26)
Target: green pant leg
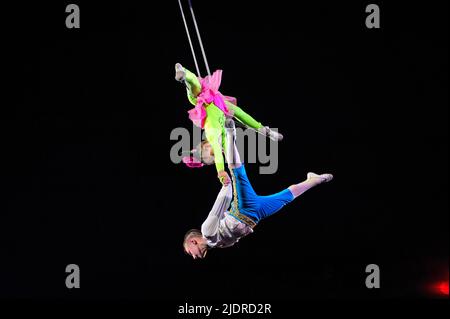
(245, 118)
(193, 86)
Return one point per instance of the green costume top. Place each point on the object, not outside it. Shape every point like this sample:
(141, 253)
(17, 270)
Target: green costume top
(214, 130)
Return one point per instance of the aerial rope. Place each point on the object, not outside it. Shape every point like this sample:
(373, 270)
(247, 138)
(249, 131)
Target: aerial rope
(198, 37)
(189, 38)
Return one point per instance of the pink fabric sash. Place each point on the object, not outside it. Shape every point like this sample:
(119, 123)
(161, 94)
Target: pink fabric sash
(210, 93)
(192, 162)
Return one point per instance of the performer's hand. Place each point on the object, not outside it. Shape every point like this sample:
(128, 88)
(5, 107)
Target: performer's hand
(224, 178)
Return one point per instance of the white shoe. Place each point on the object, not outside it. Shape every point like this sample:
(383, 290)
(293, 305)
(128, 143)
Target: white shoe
(324, 178)
(229, 123)
(180, 74)
(274, 136)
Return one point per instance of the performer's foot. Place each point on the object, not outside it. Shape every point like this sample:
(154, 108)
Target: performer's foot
(229, 123)
(180, 74)
(230, 127)
(274, 136)
(319, 179)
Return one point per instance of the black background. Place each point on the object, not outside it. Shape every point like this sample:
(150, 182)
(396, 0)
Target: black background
(87, 177)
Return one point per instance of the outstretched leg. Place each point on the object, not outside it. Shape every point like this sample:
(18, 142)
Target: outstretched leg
(249, 121)
(271, 204)
(242, 116)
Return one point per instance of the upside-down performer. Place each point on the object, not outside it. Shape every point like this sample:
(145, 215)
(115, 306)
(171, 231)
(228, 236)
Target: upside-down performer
(210, 111)
(223, 228)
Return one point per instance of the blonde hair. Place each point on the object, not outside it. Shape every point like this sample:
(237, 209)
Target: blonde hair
(199, 152)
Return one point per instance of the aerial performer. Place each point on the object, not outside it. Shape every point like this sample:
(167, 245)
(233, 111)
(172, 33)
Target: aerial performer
(226, 225)
(210, 111)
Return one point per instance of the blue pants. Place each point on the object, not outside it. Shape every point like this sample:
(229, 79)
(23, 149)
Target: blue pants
(254, 206)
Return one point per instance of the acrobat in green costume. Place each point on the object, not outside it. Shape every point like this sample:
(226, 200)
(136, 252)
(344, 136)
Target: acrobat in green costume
(211, 109)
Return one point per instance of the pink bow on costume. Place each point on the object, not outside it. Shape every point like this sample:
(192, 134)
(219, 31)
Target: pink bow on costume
(192, 162)
(209, 94)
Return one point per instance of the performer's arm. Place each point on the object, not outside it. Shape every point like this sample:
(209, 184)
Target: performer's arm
(223, 201)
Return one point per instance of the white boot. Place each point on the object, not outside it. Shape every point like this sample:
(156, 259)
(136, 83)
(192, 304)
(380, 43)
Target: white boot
(180, 74)
(319, 179)
(274, 136)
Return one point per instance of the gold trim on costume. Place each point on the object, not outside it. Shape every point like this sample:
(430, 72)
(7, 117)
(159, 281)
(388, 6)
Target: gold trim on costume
(234, 211)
